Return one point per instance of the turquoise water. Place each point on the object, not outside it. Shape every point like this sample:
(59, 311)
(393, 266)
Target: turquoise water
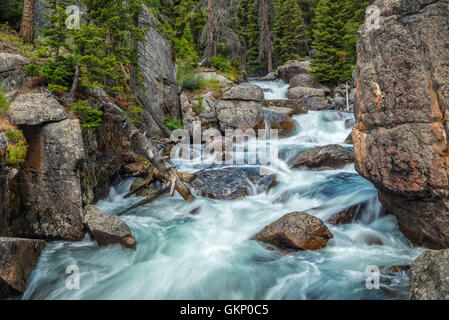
(209, 255)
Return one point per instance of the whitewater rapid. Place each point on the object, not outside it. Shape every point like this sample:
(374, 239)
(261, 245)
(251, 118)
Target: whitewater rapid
(209, 255)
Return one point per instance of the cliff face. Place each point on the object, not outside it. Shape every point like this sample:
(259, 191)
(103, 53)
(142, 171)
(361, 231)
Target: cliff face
(401, 135)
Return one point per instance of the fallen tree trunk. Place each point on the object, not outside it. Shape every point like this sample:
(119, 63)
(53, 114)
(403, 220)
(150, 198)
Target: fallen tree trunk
(142, 145)
(147, 200)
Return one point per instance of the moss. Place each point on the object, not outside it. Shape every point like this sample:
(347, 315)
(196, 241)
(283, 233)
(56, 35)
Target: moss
(14, 135)
(4, 102)
(173, 123)
(16, 153)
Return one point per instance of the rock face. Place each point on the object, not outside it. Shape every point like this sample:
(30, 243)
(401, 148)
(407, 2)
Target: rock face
(232, 183)
(107, 229)
(18, 258)
(12, 75)
(158, 69)
(428, 276)
(51, 171)
(401, 135)
(296, 230)
(331, 156)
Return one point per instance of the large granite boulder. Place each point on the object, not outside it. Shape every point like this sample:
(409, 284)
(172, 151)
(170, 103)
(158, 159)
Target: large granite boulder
(12, 75)
(429, 276)
(107, 229)
(292, 68)
(34, 109)
(280, 119)
(18, 257)
(401, 136)
(331, 156)
(297, 106)
(234, 114)
(304, 80)
(245, 92)
(313, 99)
(233, 183)
(157, 66)
(296, 230)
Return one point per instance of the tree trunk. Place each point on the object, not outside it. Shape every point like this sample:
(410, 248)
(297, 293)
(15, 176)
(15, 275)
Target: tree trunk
(143, 145)
(27, 27)
(209, 49)
(75, 82)
(265, 45)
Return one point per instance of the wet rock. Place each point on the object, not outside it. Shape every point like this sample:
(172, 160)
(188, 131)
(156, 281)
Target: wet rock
(372, 240)
(12, 75)
(233, 183)
(346, 216)
(296, 230)
(313, 99)
(280, 119)
(297, 106)
(328, 157)
(34, 109)
(400, 139)
(396, 269)
(292, 68)
(348, 140)
(245, 92)
(149, 191)
(304, 80)
(429, 276)
(107, 229)
(157, 66)
(18, 257)
(239, 115)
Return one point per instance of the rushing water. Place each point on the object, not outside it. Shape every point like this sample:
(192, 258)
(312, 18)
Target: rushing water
(209, 255)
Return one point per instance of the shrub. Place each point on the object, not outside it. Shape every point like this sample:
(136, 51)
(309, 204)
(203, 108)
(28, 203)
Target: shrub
(173, 123)
(4, 102)
(89, 117)
(198, 107)
(220, 63)
(14, 135)
(192, 82)
(16, 153)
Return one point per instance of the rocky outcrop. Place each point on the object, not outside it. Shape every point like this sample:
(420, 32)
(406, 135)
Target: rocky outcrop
(428, 276)
(107, 229)
(12, 75)
(296, 230)
(401, 136)
(233, 183)
(51, 171)
(156, 60)
(297, 106)
(331, 156)
(18, 257)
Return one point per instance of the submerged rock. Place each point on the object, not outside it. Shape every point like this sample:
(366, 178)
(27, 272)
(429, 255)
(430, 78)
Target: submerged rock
(429, 276)
(331, 156)
(18, 257)
(107, 229)
(233, 183)
(296, 230)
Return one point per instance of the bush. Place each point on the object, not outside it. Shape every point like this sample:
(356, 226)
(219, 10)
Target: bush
(220, 63)
(4, 102)
(14, 135)
(199, 106)
(89, 117)
(192, 82)
(16, 153)
(173, 123)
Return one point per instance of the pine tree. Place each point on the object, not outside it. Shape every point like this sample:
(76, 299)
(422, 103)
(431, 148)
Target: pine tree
(332, 62)
(290, 31)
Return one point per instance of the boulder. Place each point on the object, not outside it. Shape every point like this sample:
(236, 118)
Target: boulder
(296, 230)
(233, 183)
(292, 68)
(272, 76)
(203, 111)
(107, 229)
(331, 156)
(157, 67)
(239, 115)
(280, 119)
(35, 109)
(304, 80)
(401, 136)
(18, 257)
(297, 106)
(12, 75)
(429, 276)
(313, 99)
(346, 216)
(245, 92)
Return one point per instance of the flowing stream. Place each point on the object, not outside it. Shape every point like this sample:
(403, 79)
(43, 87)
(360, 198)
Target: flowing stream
(209, 255)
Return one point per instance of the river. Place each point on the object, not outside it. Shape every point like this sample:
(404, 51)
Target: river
(209, 255)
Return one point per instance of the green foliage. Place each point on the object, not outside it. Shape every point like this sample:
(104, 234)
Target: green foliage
(226, 67)
(173, 123)
(14, 135)
(16, 153)
(4, 102)
(198, 107)
(192, 82)
(90, 117)
(11, 12)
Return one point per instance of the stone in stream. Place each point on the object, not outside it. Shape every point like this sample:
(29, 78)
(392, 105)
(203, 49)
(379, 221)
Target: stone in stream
(297, 106)
(429, 278)
(331, 156)
(18, 257)
(233, 183)
(239, 114)
(348, 215)
(280, 119)
(291, 68)
(313, 99)
(304, 80)
(296, 230)
(107, 229)
(245, 92)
